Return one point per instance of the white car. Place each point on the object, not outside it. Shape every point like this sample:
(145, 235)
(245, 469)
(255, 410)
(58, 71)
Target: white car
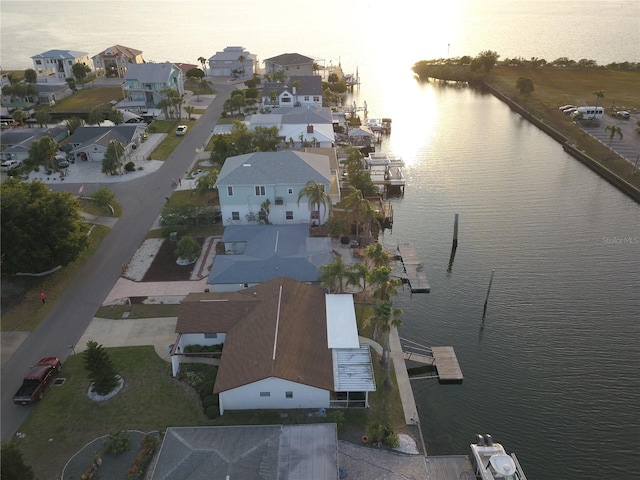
(623, 114)
(9, 164)
(566, 107)
(181, 130)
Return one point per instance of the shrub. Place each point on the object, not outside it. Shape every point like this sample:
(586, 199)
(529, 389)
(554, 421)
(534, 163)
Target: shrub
(376, 432)
(130, 167)
(338, 418)
(209, 400)
(117, 443)
(212, 412)
(392, 440)
(143, 460)
(188, 248)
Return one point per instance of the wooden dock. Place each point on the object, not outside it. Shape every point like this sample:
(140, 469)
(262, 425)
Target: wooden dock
(447, 365)
(413, 268)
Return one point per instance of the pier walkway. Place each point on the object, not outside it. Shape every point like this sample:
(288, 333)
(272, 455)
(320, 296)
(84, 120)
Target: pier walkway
(413, 268)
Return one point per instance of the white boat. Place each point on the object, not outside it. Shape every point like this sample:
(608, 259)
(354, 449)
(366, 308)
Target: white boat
(491, 461)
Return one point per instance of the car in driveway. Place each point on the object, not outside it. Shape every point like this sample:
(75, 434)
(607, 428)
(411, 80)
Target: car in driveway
(9, 164)
(623, 114)
(62, 161)
(181, 130)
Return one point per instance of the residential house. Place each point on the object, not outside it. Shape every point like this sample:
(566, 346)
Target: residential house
(247, 182)
(303, 91)
(291, 64)
(252, 254)
(115, 60)
(56, 66)
(287, 344)
(233, 62)
(50, 93)
(185, 67)
(259, 452)
(90, 143)
(299, 127)
(16, 142)
(145, 84)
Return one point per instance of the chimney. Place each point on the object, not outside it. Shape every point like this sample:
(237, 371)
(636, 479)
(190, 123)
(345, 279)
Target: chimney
(309, 128)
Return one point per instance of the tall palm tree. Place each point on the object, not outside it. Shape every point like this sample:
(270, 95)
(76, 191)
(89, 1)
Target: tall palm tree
(317, 197)
(242, 59)
(354, 202)
(333, 274)
(613, 131)
(357, 274)
(599, 94)
(383, 284)
(376, 256)
(384, 318)
(203, 62)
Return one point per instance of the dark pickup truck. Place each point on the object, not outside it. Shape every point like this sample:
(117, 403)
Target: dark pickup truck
(37, 380)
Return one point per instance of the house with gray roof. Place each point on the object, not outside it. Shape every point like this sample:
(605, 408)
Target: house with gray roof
(55, 66)
(298, 91)
(90, 143)
(290, 64)
(17, 141)
(257, 452)
(286, 344)
(144, 84)
(263, 187)
(114, 61)
(233, 62)
(252, 254)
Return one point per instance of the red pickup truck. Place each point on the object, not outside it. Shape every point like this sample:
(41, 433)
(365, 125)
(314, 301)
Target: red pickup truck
(37, 380)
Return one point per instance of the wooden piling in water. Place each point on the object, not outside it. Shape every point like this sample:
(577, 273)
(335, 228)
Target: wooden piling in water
(487, 299)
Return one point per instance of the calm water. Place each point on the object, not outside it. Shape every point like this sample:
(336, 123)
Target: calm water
(552, 373)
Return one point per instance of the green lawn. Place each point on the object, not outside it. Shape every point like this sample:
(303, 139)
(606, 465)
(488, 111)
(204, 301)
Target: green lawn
(171, 141)
(66, 419)
(88, 99)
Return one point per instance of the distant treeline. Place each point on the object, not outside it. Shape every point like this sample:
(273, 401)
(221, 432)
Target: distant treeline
(475, 69)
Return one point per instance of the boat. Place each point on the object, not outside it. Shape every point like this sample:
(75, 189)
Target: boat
(491, 461)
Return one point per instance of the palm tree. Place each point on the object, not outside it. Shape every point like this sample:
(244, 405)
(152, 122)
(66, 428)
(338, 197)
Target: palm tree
(376, 256)
(613, 131)
(203, 62)
(384, 285)
(206, 182)
(361, 207)
(384, 319)
(357, 274)
(599, 94)
(316, 196)
(241, 59)
(333, 274)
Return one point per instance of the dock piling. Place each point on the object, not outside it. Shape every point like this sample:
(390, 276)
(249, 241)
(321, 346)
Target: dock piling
(487, 299)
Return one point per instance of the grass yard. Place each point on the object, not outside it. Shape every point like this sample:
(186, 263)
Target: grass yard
(88, 99)
(66, 419)
(24, 311)
(171, 141)
(555, 87)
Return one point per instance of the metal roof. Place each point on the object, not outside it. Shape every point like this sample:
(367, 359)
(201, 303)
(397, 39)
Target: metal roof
(342, 330)
(353, 370)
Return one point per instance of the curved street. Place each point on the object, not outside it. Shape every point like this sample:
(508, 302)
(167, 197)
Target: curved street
(142, 200)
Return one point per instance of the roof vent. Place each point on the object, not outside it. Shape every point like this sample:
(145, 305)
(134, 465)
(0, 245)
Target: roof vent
(309, 128)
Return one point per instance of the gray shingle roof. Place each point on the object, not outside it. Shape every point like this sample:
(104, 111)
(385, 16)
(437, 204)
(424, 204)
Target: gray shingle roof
(279, 452)
(149, 72)
(287, 167)
(290, 59)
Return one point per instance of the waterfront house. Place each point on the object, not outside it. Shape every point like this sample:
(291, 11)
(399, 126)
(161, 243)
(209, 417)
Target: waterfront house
(90, 143)
(55, 66)
(307, 452)
(286, 344)
(263, 187)
(305, 91)
(232, 62)
(16, 142)
(292, 64)
(145, 84)
(248, 255)
(114, 61)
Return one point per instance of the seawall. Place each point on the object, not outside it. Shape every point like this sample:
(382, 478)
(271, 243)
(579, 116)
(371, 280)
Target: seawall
(568, 147)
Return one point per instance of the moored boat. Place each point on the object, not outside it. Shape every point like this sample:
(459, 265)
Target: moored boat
(491, 461)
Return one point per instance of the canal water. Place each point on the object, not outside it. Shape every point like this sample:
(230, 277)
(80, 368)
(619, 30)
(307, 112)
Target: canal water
(550, 372)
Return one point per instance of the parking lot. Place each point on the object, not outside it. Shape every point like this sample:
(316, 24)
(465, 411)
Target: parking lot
(629, 145)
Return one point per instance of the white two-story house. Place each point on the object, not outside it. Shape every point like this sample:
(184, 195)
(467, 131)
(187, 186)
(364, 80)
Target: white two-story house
(263, 187)
(290, 64)
(303, 91)
(57, 65)
(233, 61)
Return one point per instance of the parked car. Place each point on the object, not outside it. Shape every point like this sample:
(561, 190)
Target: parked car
(181, 130)
(37, 380)
(566, 107)
(570, 111)
(9, 164)
(62, 161)
(623, 114)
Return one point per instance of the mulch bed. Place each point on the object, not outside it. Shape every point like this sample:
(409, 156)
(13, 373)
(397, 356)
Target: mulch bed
(164, 267)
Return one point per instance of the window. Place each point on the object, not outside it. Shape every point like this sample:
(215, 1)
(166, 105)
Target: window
(210, 335)
(316, 98)
(288, 394)
(315, 214)
(38, 62)
(306, 98)
(289, 214)
(235, 215)
(230, 191)
(265, 394)
(260, 191)
(290, 191)
(285, 100)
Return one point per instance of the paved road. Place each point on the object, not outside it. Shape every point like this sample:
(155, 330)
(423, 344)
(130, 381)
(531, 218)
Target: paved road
(142, 200)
